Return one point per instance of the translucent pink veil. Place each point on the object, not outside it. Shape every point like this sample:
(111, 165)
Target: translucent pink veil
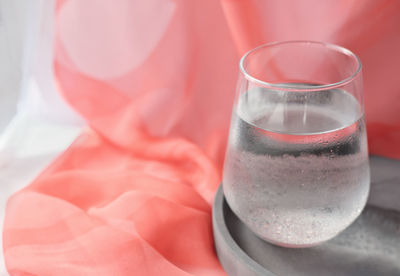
(155, 82)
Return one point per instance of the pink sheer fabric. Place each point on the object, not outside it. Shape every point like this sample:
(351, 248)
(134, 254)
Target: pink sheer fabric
(155, 81)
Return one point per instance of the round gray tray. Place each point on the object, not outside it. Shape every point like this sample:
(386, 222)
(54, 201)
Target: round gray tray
(370, 246)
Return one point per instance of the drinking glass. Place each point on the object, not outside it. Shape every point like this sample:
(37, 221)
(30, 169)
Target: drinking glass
(296, 168)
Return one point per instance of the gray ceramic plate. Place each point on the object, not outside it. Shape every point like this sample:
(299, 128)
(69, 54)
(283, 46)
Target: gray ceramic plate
(370, 246)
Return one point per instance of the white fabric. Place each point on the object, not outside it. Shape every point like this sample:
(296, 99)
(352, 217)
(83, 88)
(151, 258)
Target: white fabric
(36, 125)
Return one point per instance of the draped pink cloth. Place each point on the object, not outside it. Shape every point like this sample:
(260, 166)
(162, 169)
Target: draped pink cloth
(155, 81)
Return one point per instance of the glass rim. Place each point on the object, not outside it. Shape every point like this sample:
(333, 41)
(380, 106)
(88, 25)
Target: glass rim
(294, 88)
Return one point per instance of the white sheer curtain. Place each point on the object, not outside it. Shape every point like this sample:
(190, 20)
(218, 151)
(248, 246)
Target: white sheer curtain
(36, 124)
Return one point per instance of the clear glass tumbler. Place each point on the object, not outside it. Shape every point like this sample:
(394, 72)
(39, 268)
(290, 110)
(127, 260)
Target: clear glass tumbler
(296, 168)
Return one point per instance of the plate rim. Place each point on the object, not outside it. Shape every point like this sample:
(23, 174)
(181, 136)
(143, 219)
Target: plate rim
(220, 226)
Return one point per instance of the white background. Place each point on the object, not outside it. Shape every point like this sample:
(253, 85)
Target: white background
(35, 124)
